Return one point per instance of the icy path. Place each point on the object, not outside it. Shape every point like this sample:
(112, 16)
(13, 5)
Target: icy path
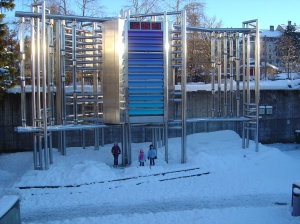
(35, 215)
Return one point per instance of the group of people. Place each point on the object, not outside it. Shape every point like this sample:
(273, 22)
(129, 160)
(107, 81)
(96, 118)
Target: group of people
(151, 155)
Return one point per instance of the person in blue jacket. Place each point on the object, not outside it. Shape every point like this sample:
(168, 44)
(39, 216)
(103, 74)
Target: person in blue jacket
(152, 155)
(142, 157)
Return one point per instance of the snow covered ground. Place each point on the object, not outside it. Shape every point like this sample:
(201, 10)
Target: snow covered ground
(220, 183)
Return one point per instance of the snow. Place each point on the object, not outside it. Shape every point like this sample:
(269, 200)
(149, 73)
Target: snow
(281, 83)
(220, 183)
(6, 202)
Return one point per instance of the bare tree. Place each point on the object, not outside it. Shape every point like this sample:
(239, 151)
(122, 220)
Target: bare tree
(90, 8)
(143, 6)
(198, 43)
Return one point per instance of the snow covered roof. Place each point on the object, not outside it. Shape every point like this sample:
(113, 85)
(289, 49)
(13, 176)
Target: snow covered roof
(269, 65)
(283, 27)
(269, 33)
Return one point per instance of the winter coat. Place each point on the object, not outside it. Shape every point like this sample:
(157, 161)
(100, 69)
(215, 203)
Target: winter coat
(143, 159)
(152, 153)
(116, 150)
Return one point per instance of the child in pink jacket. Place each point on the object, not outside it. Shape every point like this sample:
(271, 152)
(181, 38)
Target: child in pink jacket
(142, 157)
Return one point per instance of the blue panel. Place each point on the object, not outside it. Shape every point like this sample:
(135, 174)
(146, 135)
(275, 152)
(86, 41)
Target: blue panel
(144, 56)
(145, 90)
(146, 104)
(146, 112)
(145, 76)
(135, 47)
(139, 33)
(145, 73)
(145, 70)
(145, 83)
(146, 97)
(146, 62)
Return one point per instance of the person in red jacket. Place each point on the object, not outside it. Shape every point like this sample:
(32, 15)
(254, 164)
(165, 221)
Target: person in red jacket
(115, 151)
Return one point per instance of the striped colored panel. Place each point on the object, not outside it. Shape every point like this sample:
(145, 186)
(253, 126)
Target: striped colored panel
(145, 73)
(145, 76)
(145, 83)
(145, 56)
(147, 112)
(145, 104)
(145, 97)
(157, 62)
(145, 90)
(145, 69)
(136, 47)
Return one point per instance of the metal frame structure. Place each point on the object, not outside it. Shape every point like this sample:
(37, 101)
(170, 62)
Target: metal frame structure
(77, 48)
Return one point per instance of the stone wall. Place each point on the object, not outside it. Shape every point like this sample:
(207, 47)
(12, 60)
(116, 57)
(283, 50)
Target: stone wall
(277, 127)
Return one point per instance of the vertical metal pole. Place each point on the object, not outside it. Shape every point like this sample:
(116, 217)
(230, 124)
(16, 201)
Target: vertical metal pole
(96, 139)
(33, 77)
(63, 84)
(50, 88)
(219, 72)
(225, 73)
(257, 80)
(183, 87)
(166, 143)
(244, 68)
(244, 77)
(33, 68)
(237, 70)
(50, 74)
(123, 140)
(129, 144)
(58, 80)
(22, 71)
(231, 73)
(44, 78)
(155, 138)
(213, 71)
(38, 69)
(74, 72)
(102, 136)
(248, 83)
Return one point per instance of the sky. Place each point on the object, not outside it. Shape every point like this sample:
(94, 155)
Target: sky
(220, 183)
(231, 12)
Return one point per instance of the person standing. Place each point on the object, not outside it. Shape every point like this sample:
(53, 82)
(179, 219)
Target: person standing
(115, 151)
(142, 157)
(152, 155)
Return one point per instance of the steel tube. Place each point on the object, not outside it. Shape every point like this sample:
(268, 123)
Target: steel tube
(257, 80)
(44, 84)
(22, 73)
(231, 74)
(63, 17)
(225, 73)
(219, 37)
(183, 86)
(213, 71)
(237, 70)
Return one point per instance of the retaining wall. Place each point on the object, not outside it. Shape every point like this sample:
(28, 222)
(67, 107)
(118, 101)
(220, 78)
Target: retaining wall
(277, 127)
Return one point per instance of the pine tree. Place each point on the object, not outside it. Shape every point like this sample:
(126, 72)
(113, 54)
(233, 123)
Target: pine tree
(288, 47)
(9, 50)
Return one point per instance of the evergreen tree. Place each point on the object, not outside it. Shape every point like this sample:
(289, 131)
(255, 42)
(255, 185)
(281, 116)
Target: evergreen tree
(288, 48)
(9, 50)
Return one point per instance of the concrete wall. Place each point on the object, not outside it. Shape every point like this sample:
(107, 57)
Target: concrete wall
(277, 127)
